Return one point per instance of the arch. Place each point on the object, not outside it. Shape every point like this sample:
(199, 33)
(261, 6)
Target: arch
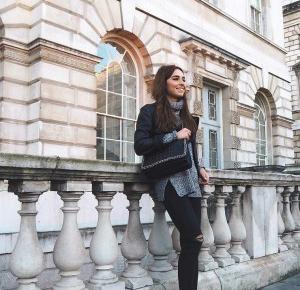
(268, 100)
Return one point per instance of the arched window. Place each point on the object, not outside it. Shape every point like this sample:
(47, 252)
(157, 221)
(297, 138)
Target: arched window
(116, 103)
(261, 132)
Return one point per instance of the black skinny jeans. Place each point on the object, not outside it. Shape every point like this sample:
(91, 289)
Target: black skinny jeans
(185, 213)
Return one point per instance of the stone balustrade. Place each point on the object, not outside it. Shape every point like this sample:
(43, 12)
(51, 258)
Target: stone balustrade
(263, 223)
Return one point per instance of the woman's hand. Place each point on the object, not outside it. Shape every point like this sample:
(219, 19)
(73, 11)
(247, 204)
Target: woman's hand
(184, 134)
(204, 177)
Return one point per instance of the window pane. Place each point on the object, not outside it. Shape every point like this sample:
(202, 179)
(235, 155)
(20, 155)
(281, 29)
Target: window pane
(113, 150)
(115, 78)
(128, 152)
(101, 80)
(114, 104)
(212, 108)
(100, 126)
(213, 149)
(129, 86)
(128, 65)
(129, 108)
(101, 101)
(100, 149)
(128, 130)
(113, 128)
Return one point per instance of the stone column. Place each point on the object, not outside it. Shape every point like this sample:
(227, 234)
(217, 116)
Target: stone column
(160, 246)
(221, 229)
(205, 260)
(296, 215)
(176, 246)
(237, 228)
(281, 246)
(104, 246)
(69, 250)
(27, 259)
(134, 245)
(287, 218)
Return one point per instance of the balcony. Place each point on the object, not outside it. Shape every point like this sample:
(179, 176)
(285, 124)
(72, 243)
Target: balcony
(250, 222)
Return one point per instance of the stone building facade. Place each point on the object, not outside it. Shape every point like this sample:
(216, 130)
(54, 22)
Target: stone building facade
(291, 12)
(74, 74)
(49, 90)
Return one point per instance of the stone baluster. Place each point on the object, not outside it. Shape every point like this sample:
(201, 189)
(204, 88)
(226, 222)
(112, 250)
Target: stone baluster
(281, 246)
(104, 246)
(296, 215)
(221, 229)
(27, 259)
(287, 218)
(69, 250)
(176, 246)
(205, 261)
(160, 246)
(134, 245)
(237, 228)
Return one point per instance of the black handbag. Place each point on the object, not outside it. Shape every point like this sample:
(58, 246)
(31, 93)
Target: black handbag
(173, 158)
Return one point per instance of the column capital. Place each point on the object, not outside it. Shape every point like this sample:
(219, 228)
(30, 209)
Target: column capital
(240, 189)
(134, 187)
(28, 186)
(105, 187)
(224, 190)
(208, 189)
(71, 186)
(279, 189)
(288, 189)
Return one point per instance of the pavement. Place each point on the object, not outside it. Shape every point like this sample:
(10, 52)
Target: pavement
(291, 283)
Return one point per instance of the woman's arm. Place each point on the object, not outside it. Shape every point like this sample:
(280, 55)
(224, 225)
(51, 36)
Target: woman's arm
(144, 141)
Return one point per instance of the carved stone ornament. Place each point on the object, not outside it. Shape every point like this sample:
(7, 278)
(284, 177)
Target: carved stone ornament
(235, 93)
(199, 136)
(236, 142)
(237, 164)
(235, 118)
(198, 108)
(197, 80)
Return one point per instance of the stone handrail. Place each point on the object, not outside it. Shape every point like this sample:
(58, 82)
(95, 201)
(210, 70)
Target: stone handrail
(242, 226)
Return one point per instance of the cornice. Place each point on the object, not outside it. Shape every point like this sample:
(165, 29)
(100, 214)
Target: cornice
(191, 45)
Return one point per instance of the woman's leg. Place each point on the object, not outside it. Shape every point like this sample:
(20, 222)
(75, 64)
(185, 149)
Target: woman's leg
(187, 221)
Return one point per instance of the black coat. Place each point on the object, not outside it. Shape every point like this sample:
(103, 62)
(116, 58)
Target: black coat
(148, 138)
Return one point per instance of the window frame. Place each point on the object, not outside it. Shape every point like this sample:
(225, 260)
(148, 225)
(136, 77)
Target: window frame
(216, 125)
(259, 104)
(121, 118)
(256, 16)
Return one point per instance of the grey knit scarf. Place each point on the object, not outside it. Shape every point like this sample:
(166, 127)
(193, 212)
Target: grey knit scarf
(177, 107)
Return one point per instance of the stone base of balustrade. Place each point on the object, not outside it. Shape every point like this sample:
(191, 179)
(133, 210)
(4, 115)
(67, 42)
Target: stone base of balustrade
(119, 285)
(138, 283)
(250, 275)
(240, 258)
(225, 262)
(208, 266)
(162, 277)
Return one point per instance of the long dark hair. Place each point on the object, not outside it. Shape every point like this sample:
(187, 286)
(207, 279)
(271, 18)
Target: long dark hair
(165, 118)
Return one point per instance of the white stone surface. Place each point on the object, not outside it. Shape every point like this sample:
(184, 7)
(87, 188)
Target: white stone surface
(260, 210)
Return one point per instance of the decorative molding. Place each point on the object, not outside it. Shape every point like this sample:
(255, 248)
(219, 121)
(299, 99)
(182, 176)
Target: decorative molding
(245, 110)
(282, 122)
(49, 51)
(197, 80)
(235, 118)
(237, 164)
(236, 142)
(199, 136)
(217, 54)
(198, 108)
(235, 93)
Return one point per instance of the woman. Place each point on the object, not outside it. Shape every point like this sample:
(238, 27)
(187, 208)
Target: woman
(159, 124)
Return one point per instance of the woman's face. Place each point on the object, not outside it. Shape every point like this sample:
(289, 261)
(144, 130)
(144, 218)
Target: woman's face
(176, 85)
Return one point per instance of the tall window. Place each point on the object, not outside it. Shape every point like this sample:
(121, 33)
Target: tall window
(261, 132)
(211, 122)
(256, 16)
(116, 103)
